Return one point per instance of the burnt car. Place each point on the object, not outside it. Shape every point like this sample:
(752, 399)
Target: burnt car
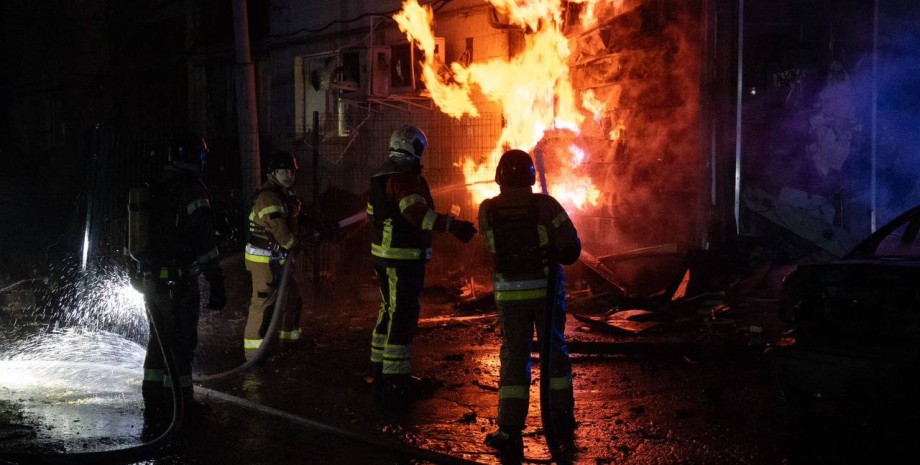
(854, 323)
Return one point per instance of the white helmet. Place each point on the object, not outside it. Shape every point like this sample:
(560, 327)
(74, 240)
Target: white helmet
(408, 140)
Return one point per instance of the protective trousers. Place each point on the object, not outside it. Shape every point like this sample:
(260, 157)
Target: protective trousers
(177, 306)
(517, 319)
(266, 277)
(400, 290)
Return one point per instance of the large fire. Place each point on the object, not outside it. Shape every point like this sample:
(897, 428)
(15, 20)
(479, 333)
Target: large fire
(533, 89)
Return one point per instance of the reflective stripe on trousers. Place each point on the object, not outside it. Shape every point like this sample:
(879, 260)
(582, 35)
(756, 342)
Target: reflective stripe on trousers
(518, 319)
(266, 277)
(397, 319)
(520, 290)
(180, 303)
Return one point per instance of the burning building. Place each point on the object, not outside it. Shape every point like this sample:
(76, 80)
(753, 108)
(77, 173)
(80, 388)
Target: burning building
(608, 95)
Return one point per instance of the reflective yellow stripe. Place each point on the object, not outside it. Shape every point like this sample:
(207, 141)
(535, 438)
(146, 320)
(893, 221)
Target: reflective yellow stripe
(392, 283)
(396, 359)
(409, 201)
(505, 296)
(377, 343)
(560, 219)
(428, 221)
(196, 204)
(271, 209)
(387, 233)
(513, 392)
(250, 344)
(520, 285)
(153, 375)
(544, 237)
(370, 209)
(289, 335)
(164, 273)
(397, 351)
(258, 258)
(208, 256)
(399, 254)
(560, 383)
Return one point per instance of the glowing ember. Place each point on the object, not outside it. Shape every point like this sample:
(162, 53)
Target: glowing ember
(533, 89)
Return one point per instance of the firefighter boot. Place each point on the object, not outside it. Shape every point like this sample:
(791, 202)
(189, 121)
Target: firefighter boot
(157, 409)
(377, 381)
(194, 412)
(564, 427)
(393, 391)
(509, 443)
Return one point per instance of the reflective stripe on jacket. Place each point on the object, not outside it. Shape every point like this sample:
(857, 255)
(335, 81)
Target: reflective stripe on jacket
(555, 233)
(402, 212)
(270, 222)
(181, 225)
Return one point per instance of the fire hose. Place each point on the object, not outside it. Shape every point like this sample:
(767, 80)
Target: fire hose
(399, 448)
(546, 351)
(269, 333)
(273, 324)
(144, 451)
(546, 346)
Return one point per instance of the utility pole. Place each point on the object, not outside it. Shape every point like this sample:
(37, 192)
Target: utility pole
(246, 111)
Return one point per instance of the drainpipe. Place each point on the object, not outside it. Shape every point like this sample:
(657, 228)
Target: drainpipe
(873, 212)
(246, 110)
(738, 115)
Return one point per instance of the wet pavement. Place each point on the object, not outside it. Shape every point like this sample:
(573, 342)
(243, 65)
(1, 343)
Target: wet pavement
(695, 389)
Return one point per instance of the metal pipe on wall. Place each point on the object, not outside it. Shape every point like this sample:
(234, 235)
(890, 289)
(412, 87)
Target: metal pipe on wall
(246, 110)
(738, 116)
(873, 213)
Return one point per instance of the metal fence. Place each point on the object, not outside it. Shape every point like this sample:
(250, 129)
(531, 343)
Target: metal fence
(333, 180)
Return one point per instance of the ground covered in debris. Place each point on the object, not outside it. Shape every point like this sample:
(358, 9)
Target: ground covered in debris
(690, 385)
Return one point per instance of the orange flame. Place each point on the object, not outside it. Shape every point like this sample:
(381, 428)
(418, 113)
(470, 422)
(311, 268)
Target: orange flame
(533, 89)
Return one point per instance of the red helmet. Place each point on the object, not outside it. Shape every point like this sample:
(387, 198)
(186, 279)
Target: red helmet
(515, 169)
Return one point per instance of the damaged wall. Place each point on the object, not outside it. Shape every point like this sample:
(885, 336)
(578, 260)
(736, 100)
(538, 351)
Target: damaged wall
(810, 137)
(644, 64)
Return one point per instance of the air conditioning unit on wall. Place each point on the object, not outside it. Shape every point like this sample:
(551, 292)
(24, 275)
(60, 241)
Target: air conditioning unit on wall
(377, 82)
(405, 67)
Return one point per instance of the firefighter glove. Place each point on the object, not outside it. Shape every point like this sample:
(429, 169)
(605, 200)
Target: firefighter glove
(463, 230)
(218, 297)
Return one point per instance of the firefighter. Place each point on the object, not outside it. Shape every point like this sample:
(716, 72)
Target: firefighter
(403, 215)
(526, 234)
(272, 224)
(181, 244)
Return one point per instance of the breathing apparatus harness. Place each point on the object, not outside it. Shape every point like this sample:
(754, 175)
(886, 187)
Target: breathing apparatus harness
(257, 235)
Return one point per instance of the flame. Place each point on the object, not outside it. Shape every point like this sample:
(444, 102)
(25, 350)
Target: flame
(592, 104)
(533, 88)
(453, 99)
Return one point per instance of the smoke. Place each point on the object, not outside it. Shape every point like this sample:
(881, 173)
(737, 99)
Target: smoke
(645, 149)
(810, 126)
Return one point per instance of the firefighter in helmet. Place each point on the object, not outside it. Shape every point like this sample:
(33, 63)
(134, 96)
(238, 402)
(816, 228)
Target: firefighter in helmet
(274, 211)
(526, 234)
(403, 215)
(181, 244)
